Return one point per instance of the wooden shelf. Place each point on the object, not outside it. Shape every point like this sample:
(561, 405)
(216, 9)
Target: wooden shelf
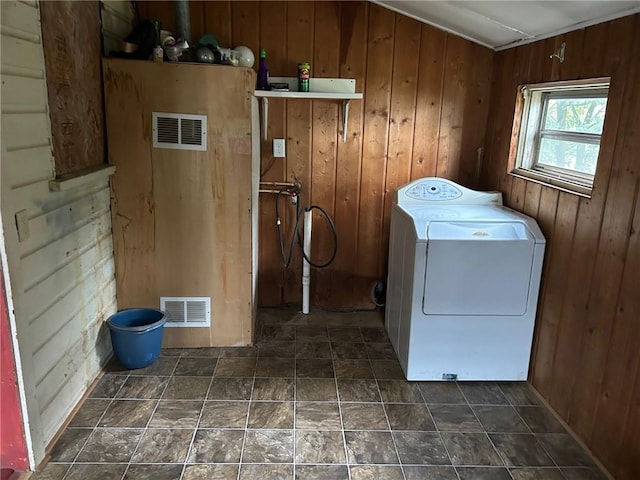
(341, 89)
(74, 180)
(307, 95)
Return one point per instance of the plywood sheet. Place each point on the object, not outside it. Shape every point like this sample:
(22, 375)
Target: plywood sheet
(182, 219)
(72, 59)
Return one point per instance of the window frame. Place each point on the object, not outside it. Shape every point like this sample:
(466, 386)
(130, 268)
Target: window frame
(532, 104)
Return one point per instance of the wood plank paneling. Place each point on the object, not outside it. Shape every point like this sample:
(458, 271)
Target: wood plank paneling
(217, 18)
(585, 359)
(271, 18)
(589, 219)
(300, 25)
(626, 447)
(433, 46)
(618, 408)
(610, 257)
(499, 122)
(160, 10)
(197, 16)
(353, 56)
(612, 246)
(324, 150)
(456, 83)
(532, 199)
(245, 26)
(478, 78)
(560, 245)
(401, 122)
(423, 113)
(377, 102)
(558, 255)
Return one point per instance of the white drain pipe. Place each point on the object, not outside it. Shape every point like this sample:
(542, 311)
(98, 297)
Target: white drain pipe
(306, 268)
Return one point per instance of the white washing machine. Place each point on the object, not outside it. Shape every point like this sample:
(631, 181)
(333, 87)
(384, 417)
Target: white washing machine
(462, 290)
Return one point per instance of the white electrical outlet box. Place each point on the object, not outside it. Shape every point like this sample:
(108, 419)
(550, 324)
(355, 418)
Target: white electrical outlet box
(278, 147)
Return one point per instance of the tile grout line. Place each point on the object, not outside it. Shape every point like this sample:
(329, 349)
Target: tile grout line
(514, 405)
(483, 427)
(533, 433)
(295, 396)
(173, 371)
(93, 429)
(246, 423)
(145, 429)
(439, 432)
(382, 404)
(486, 434)
(204, 402)
(335, 381)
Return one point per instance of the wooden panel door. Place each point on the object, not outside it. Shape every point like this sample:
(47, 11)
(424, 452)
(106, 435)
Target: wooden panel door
(182, 218)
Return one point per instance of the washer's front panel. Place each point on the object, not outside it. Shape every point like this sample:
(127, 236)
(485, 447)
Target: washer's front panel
(469, 348)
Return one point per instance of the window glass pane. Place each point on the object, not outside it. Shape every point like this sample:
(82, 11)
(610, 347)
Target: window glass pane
(571, 155)
(583, 115)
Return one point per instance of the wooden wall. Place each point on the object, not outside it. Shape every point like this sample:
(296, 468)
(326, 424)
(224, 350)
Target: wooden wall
(424, 113)
(586, 356)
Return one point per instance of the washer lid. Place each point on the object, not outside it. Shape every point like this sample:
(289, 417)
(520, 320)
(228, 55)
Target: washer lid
(423, 216)
(478, 231)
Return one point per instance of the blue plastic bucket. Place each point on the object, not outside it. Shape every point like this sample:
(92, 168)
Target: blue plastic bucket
(136, 336)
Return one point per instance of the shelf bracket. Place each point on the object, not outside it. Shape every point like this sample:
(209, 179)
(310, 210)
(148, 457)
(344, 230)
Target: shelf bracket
(345, 119)
(265, 117)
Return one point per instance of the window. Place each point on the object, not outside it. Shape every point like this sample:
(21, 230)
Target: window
(559, 129)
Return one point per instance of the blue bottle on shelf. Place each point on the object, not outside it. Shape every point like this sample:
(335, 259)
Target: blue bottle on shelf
(263, 72)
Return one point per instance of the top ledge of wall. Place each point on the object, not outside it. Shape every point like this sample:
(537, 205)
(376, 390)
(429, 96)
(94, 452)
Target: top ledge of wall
(74, 180)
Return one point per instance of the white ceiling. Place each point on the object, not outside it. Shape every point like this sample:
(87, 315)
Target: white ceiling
(504, 24)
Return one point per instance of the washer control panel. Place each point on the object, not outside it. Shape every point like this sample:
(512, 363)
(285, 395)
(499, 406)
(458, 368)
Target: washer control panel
(439, 191)
(433, 190)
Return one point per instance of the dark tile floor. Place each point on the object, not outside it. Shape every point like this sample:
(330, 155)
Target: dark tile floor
(319, 397)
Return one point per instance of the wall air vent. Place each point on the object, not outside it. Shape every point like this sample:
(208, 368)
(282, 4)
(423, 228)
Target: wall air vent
(180, 131)
(187, 311)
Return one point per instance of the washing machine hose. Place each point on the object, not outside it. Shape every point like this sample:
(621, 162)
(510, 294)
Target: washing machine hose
(286, 258)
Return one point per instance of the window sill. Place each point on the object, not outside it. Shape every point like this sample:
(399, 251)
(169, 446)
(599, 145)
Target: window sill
(75, 180)
(552, 182)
